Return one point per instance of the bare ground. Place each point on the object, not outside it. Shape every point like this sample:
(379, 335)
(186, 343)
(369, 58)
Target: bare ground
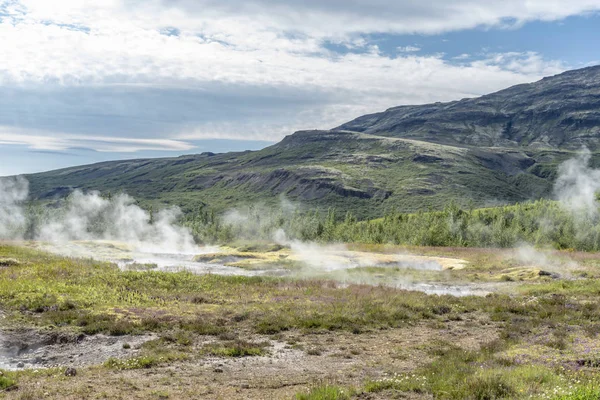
(26, 348)
(295, 361)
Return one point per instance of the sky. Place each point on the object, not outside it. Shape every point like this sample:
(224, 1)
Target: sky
(84, 81)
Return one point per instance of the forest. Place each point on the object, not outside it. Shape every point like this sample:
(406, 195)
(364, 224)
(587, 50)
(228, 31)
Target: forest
(541, 223)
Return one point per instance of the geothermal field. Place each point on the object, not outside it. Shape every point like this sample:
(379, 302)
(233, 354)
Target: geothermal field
(284, 320)
(104, 299)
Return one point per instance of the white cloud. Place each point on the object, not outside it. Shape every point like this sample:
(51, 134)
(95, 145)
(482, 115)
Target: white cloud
(43, 140)
(462, 56)
(408, 49)
(117, 44)
(525, 63)
(313, 17)
(234, 41)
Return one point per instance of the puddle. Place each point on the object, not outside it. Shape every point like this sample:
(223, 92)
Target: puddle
(434, 288)
(330, 263)
(127, 257)
(179, 262)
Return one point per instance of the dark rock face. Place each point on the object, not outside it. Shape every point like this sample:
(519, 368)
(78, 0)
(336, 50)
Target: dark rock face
(561, 111)
(424, 158)
(303, 183)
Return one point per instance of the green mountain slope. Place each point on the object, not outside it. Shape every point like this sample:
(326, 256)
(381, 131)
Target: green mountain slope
(407, 158)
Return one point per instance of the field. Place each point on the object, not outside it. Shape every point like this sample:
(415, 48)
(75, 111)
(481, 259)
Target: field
(153, 334)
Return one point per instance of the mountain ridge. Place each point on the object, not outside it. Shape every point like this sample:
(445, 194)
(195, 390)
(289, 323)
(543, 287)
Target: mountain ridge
(561, 111)
(406, 158)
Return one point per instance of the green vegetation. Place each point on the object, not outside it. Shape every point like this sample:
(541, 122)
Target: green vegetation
(532, 352)
(325, 392)
(460, 374)
(588, 392)
(542, 223)
(95, 297)
(135, 363)
(7, 382)
(236, 348)
(364, 174)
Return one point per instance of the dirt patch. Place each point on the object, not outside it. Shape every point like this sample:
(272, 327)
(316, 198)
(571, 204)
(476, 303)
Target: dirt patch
(31, 349)
(294, 362)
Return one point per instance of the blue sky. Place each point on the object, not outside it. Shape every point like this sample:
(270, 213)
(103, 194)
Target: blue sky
(85, 81)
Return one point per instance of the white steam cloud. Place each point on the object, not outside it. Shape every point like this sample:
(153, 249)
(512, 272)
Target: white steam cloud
(577, 184)
(13, 193)
(91, 217)
(321, 257)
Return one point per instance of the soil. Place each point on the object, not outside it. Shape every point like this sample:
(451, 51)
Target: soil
(21, 349)
(294, 363)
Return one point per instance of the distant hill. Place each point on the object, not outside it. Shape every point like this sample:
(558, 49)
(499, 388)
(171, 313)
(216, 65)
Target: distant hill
(558, 112)
(499, 148)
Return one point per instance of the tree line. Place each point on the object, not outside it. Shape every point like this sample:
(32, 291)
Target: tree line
(543, 223)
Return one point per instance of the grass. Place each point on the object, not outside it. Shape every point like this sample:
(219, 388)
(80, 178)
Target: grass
(95, 297)
(7, 382)
(547, 317)
(236, 348)
(472, 375)
(588, 392)
(325, 392)
(146, 361)
(163, 350)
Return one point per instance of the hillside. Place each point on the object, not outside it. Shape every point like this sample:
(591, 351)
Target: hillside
(561, 111)
(499, 148)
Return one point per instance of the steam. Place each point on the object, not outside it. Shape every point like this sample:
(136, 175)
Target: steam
(13, 193)
(530, 256)
(315, 255)
(91, 217)
(577, 184)
(337, 257)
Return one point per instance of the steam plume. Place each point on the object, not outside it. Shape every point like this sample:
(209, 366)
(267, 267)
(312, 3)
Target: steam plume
(91, 217)
(13, 192)
(577, 184)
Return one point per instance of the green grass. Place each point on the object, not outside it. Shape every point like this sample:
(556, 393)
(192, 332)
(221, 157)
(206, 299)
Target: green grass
(95, 297)
(461, 374)
(325, 392)
(7, 382)
(47, 291)
(147, 361)
(236, 348)
(588, 392)
(163, 350)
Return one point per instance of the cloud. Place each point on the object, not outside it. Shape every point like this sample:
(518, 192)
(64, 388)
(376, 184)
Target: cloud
(237, 42)
(58, 141)
(520, 62)
(116, 75)
(462, 56)
(408, 49)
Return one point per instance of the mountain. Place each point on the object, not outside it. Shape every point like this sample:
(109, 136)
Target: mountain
(499, 148)
(559, 112)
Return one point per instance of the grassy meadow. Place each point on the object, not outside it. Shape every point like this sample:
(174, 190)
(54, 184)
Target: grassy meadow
(309, 338)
